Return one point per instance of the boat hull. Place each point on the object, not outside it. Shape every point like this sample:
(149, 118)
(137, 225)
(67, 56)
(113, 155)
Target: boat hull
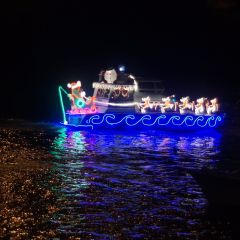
(143, 121)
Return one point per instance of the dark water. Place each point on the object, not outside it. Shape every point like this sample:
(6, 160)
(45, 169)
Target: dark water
(60, 184)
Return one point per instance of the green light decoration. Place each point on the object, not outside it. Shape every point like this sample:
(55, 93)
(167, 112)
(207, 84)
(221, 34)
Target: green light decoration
(60, 89)
(80, 103)
(58, 143)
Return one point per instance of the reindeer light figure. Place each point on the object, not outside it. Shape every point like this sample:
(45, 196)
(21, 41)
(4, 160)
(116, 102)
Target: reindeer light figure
(146, 104)
(200, 106)
(168, 104)
(213, 107)
(185, 105)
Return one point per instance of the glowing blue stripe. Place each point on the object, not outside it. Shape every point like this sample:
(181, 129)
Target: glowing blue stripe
(131, 120)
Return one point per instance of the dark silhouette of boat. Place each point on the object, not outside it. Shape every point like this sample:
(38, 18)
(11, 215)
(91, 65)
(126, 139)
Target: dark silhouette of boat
(220, 188)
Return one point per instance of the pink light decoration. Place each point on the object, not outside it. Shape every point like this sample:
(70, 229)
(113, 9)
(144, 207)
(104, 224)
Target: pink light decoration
(83, 111)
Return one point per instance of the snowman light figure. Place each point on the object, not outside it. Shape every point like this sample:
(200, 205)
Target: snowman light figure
(110, 76)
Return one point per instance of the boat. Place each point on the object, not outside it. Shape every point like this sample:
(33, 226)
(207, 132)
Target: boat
(115, 103)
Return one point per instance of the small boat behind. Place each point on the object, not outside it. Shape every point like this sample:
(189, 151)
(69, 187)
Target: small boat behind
(116, 104)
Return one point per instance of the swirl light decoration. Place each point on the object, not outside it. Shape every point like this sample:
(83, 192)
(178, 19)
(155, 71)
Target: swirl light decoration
(111, 120)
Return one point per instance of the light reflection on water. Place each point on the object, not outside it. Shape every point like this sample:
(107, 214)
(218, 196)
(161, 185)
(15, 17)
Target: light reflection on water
(131, 186)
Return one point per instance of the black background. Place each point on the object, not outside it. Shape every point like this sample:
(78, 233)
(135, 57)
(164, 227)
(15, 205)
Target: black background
(192, 46)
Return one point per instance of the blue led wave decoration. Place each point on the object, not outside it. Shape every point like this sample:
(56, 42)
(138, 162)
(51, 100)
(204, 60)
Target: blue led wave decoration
(112, 120)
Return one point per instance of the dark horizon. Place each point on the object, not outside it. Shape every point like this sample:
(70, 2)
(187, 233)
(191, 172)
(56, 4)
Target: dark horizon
(193, 48)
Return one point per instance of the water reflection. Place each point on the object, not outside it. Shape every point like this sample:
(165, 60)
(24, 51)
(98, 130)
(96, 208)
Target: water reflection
(68, 141)
(135, 185)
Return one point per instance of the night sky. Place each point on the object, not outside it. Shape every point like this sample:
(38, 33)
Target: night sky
(193, 48)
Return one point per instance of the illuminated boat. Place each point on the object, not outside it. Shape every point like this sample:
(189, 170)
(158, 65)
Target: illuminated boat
(114, 104)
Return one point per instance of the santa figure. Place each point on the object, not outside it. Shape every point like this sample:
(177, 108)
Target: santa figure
(76, 96)
(79, 102)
